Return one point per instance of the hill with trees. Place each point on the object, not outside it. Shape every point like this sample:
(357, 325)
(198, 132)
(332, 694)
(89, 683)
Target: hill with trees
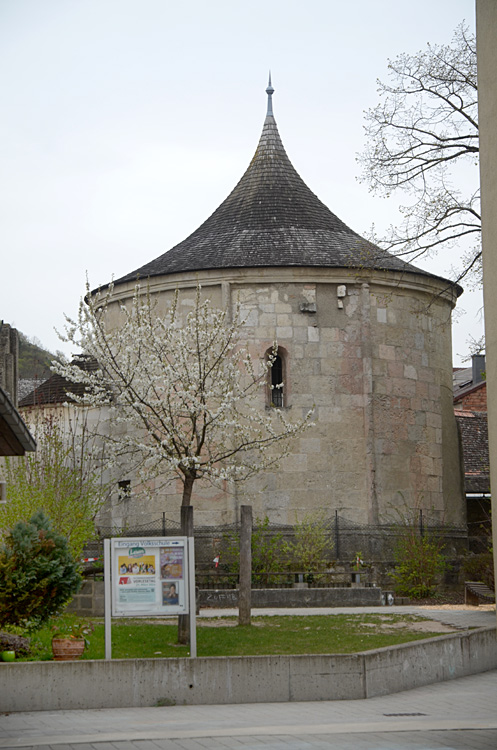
(34, 360)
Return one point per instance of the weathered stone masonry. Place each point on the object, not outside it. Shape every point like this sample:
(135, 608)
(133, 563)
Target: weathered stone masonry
(364, 338)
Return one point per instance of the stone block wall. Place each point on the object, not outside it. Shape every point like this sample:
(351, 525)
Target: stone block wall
(90, 601)
(371, 355)
(9, 354)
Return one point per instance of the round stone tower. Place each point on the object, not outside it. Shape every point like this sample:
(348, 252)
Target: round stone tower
(362, 336)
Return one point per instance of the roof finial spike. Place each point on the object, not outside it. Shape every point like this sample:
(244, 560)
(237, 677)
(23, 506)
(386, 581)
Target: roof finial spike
(269, 92)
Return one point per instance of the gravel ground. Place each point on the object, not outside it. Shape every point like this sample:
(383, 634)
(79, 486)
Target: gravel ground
(446, 597)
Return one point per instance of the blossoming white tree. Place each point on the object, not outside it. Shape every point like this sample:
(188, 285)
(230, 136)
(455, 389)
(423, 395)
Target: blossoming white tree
(183, 391)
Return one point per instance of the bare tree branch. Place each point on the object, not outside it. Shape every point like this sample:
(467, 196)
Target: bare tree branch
(424, 128)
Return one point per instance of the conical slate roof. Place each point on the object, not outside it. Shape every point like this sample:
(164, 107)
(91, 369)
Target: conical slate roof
(271, 218)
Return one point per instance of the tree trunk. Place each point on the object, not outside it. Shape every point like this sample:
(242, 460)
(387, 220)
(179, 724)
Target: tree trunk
(186, 530)
(187, 489)
(245, 587)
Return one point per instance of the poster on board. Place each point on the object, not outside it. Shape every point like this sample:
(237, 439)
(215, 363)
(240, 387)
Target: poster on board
(149, 576)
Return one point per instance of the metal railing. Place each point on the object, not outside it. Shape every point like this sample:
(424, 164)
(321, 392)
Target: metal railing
(217, 559)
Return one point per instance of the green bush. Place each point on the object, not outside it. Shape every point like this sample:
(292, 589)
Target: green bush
(268, 557)
(419, 564)
(272, 556)
(61, 478)
(38, 574)
(307, 552)
(267, 553)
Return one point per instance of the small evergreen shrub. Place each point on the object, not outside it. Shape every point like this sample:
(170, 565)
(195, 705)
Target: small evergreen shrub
(38, 574)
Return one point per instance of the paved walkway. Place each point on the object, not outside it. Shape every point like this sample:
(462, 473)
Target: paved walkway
(459, 714)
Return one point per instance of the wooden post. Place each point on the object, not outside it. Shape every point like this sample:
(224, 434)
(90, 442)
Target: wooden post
(186, 530)
(245, 590)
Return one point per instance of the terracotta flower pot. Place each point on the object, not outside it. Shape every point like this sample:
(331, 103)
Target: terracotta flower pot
(65, 649)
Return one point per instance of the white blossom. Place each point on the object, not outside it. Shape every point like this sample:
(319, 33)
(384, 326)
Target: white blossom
(184, 392)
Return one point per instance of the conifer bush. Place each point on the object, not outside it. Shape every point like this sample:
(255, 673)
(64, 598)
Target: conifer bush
(38, 574)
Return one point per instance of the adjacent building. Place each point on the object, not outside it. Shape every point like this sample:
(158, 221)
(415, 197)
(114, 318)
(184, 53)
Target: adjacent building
(470, 408)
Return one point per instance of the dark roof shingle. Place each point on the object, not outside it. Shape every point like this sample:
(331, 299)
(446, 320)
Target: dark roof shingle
(271, 218)
(57, 390)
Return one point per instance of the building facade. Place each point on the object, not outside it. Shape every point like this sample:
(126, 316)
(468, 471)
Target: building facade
(362, 337)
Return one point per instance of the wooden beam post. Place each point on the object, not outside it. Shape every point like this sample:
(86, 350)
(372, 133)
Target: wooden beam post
(186, 530)
(245, 591)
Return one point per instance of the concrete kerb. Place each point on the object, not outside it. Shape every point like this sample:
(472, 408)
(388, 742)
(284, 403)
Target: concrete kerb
(46, 686)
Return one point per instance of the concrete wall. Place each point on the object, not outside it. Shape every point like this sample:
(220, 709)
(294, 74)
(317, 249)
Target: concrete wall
(391, 670)
(336, 597)
(48, 686)
(90, 600)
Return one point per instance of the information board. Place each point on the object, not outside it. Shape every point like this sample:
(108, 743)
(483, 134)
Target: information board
(149, 576)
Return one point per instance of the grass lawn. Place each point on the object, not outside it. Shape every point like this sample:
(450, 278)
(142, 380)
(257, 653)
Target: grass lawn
(320, 634)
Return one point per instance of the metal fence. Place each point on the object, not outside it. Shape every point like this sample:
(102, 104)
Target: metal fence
(216, 548)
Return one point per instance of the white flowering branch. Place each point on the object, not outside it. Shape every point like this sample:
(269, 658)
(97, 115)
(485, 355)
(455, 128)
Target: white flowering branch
(185, 393)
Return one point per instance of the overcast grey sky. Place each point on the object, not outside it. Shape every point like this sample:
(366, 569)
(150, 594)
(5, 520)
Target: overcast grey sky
(126, 122)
